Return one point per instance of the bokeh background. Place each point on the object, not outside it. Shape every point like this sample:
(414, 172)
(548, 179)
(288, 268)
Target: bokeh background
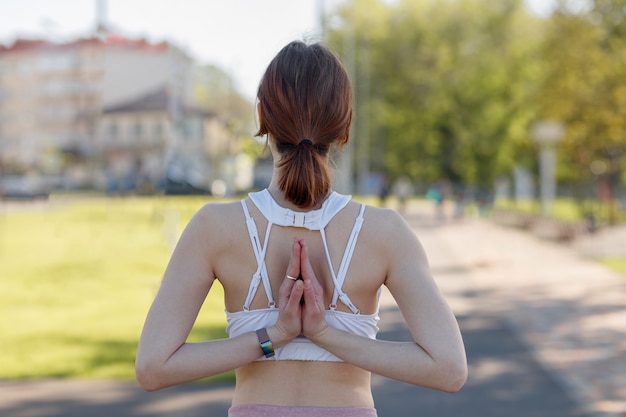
(119, 119)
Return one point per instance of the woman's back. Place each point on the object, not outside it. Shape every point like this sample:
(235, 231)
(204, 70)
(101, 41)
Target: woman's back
(237, 263)
(365, 275)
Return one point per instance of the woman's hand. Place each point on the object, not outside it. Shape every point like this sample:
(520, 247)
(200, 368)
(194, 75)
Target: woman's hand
(313, 309)
(290, 293)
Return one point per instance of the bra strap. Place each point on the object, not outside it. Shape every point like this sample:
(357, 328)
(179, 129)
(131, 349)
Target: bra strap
(340, 277)
(259, 253)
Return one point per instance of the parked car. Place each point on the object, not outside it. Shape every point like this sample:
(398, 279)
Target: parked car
(23, 188)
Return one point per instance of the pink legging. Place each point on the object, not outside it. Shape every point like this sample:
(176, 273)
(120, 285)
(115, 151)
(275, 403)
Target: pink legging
(287, 411)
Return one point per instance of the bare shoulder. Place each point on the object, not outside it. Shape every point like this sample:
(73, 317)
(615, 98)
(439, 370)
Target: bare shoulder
(384, 215)
(220, 208)
(388, 233)
(386, 224)
(217, 216)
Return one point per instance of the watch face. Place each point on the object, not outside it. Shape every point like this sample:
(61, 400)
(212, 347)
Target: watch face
(268, 351)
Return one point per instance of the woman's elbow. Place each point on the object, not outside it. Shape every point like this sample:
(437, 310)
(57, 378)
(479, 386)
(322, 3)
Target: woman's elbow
(456, 377)
(147, 377)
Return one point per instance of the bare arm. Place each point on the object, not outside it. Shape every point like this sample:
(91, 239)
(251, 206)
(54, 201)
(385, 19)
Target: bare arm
(164, 358)
(436, 359)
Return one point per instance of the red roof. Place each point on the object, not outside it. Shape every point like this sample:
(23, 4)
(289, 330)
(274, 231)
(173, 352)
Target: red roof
(117, 40)
(24, 44)
(111, 40)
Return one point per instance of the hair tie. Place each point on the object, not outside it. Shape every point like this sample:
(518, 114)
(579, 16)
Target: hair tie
(303, 141)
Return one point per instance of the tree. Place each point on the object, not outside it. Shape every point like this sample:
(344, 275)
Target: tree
(214, 91)
(449, 81)
(586, 91)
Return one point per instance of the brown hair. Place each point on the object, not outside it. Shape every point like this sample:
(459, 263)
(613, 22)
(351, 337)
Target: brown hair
(305, 94)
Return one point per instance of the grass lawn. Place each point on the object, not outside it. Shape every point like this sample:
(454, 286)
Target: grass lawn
(76, 282)
(618, 264)
(77, 279)
(567, 209)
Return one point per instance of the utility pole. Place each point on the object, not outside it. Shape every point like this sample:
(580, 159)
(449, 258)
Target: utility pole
(344, 181)
(101, 17)
(547, 133)
(363, 118)
(321, 16)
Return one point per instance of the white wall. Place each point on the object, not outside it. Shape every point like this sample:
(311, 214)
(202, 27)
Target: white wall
(131, 73)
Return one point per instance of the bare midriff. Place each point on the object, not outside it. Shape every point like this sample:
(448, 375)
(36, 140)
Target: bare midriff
(303, 383)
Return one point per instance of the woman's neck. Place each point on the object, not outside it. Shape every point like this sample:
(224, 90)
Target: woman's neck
(282, 201)
(280, 197)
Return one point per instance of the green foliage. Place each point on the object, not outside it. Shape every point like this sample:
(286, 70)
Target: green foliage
(214, 91)
(450, 89)
(76, 282)
(563, 209)
(586, 91)
(448, 80)
(254, 147)
(618, 264)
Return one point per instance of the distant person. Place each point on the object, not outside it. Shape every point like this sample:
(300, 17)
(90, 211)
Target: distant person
(436, 195)
(402, 190)
(459, 203)
(383, 190)
(302, 268)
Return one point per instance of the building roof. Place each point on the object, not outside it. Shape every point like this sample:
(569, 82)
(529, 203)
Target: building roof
(121, 41)
(24, 44)
(156, 100)
(112, 40)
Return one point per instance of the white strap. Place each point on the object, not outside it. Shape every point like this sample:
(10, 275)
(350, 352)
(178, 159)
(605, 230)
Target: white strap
(259, 254)
(340, 277)
(312, 219)
(345, 262)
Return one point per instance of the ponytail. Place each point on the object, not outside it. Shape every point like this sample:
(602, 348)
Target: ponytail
(305, 108)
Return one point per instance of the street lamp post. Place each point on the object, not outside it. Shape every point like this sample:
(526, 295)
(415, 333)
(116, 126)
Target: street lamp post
(547, 133)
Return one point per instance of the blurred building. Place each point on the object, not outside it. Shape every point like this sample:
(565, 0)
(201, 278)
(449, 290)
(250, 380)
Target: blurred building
(48, 93)
(106, 111)
(143, 147)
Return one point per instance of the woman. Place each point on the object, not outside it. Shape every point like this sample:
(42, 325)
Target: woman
(302, 268)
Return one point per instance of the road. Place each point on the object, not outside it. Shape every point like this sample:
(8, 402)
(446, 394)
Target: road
(505, 378)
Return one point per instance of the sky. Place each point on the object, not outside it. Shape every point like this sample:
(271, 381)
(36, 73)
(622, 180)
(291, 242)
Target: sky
(239, 36)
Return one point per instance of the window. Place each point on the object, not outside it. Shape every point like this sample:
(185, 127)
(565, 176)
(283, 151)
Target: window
(112, 130)
(57, 113)
(5, 68)
(137, 130)
(157, 131)
(25, 68)
(59, 61)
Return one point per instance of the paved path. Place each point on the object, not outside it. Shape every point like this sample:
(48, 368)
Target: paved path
(544, 332)
(569, 310)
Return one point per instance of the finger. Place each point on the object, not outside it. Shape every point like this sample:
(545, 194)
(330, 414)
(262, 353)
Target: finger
(306, 268)
(290, 311)
(293, 270)
(313, 292)
(296, 295)
(305, 262)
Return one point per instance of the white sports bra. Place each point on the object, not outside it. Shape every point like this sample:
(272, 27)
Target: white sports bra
(248, 320)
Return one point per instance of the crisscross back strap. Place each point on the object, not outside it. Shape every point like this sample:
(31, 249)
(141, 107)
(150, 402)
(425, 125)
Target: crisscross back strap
(259, 253)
